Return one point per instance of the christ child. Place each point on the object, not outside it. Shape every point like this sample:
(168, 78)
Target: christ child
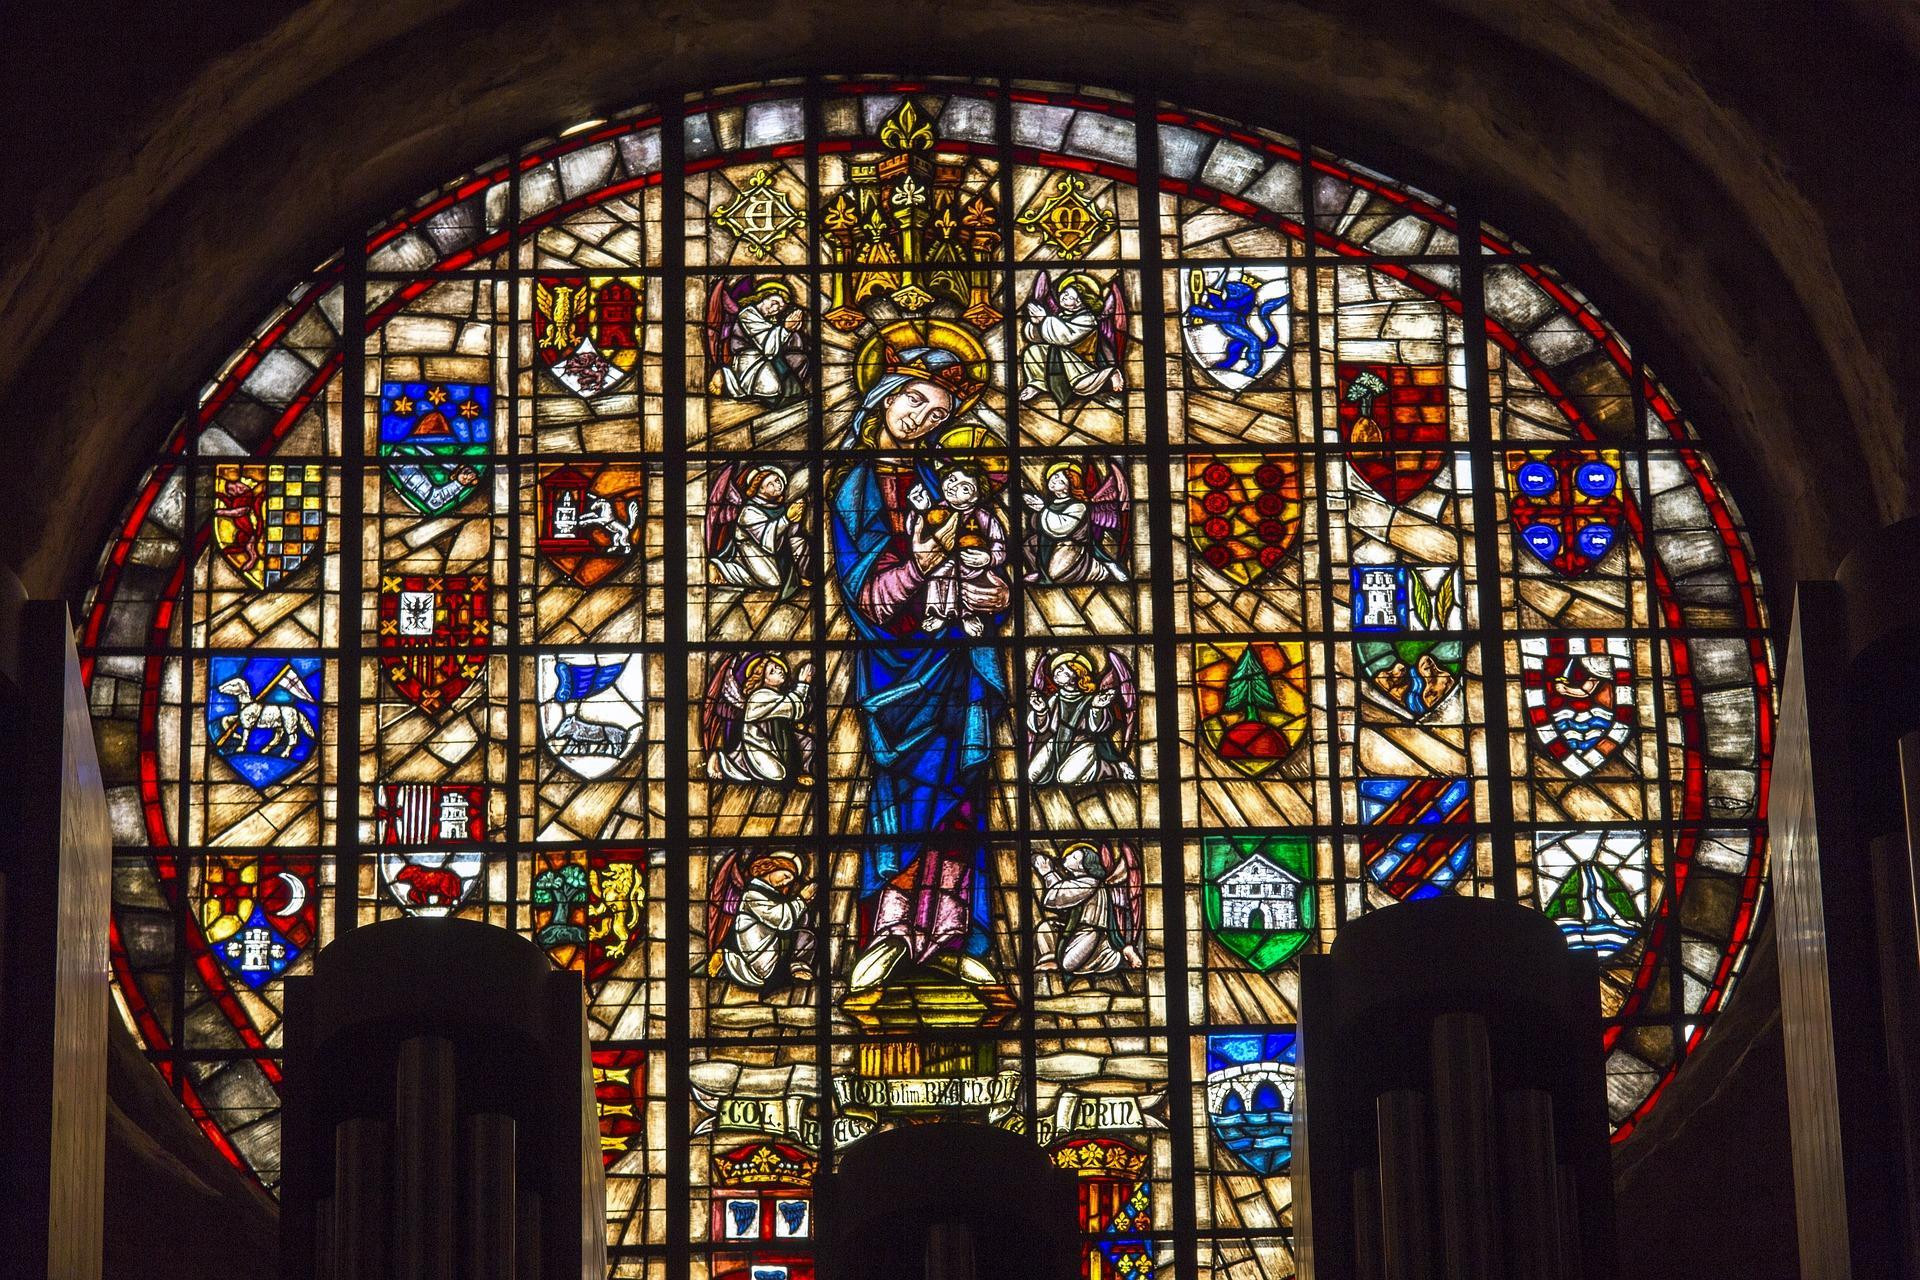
(959, 546)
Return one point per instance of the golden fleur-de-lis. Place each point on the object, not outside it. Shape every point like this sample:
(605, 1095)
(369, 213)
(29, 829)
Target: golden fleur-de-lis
(904, 130)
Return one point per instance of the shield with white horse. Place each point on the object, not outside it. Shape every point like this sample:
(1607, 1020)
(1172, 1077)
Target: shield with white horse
(263, 716)
(592, 709)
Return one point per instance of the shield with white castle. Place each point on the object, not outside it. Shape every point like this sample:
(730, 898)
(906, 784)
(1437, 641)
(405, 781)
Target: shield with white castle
(1258, 895)
(592, 709)
(257, 912)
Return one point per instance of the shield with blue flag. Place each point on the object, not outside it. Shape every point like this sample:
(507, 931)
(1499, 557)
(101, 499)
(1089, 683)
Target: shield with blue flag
(436, 434)
(1250, 1083)
(263, 715)
(1420, 839)
(592, 709)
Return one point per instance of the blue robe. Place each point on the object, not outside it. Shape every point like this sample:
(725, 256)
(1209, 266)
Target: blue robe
(927, 713)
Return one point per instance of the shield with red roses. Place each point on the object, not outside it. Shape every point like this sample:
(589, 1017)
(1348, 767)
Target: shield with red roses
(1243, 512)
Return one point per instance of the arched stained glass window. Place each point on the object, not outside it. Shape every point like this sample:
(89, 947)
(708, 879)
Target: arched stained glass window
(930, 596)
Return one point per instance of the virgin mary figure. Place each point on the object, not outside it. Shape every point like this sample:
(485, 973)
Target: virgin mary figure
(927, 703)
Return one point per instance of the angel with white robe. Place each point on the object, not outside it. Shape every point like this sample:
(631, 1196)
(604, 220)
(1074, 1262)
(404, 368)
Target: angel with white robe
(1076, 341)
(755, 346)
(1081, 722)
(757, 930)
(753, 725)
(1090, 900)
(754, 533)
(1078, 524)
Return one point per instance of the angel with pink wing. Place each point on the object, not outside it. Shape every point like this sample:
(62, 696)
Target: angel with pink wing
(1090, 908)
(758, 935)
(1079, 525)
(755, 344)
(754, 721)
(1082, 722)
(755, 537)
(1076, 341)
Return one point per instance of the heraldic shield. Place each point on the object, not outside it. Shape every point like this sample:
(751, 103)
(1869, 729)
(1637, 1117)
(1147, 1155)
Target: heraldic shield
(1237, 323)
(1566, 506)
(590, 518)
(263, 715)
(1397, 408)
(592, 709)
(589, 909)
(436, 433)
(434, 629)
(1596, 885)
(257, 912)
(268, 519)
(437, 880)
(1258, 896)
(586, 332)
(1243, 512)
(1252, 700)
(1410, 656)
(1423, 843)
(1579, 697)
(1250, 1083)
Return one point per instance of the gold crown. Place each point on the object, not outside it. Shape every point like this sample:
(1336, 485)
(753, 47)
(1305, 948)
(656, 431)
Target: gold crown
(764, 1164)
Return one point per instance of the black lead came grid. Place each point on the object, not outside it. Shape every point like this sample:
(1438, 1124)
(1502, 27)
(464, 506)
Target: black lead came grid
(672, 821)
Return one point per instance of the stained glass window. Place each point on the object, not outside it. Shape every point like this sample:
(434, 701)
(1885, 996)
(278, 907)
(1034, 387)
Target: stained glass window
(931, 597)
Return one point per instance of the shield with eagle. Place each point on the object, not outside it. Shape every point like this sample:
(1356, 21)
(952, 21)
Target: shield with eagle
(1579, 700)
(1252, 701)
(1243, 512)
(433, 631)
(586, 330)
(1387, 413)
(1565, 505)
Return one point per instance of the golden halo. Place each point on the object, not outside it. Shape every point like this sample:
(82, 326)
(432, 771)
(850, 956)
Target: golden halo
(943, 335)
(1086, 284)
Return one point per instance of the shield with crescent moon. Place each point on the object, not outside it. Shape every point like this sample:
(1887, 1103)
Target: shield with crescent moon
(257, 912)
